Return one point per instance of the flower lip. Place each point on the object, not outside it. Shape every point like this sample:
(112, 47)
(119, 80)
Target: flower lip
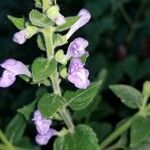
(77, 47)
(75, 64)
(78, 75)
(80, 78)
(7, 79)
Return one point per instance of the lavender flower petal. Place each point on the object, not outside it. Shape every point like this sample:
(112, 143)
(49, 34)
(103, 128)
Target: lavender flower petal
(85, 16)
(80, 78)
(43, 125)
(75, 64)
(77, 47)
(7, 79)
(60, 20)
(20, 37)
(43, 139)
(16, 67)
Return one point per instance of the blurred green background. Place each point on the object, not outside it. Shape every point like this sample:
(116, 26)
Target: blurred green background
(119, 37)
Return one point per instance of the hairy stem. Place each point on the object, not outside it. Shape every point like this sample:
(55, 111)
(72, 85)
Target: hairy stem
(63, 112)
(48, 37)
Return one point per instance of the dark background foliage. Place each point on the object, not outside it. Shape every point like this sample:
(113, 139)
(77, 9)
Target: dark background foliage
(119, 37)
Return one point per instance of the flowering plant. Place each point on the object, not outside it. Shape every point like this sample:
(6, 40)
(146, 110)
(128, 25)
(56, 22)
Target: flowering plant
(54, 30)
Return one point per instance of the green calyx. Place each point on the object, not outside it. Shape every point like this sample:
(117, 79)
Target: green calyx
(53, 12)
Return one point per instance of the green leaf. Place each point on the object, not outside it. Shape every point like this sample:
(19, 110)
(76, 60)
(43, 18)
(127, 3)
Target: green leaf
(59, 40)
(15, 129)
(83, 139)
(140, 130)
(39, 19)
(82, 98)
(27, 110)
(41, 42)
(69, 22)
(25, 143)
(131, 67)
(18, 22)
(128, 95)
(49, 104)
(102, 129)
(42, 68)
(38, 3)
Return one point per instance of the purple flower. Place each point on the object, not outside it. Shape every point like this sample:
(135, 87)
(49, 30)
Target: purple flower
(75, 64)
(20, 37)
(16, 67)
(60, 20)
(44, 138)
(42, 124)
(85, 16)
(7, 79)
(12, 68)
(43, 128)
(78, 75)
(77, 47)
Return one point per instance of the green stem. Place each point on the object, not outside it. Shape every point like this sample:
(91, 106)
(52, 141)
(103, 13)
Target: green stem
(48, 37)
(63, 112)
(116, 133)
(5, 140)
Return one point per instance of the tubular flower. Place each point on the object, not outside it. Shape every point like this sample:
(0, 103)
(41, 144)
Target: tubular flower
(85, 16)
(45, 133)
(78, 75)
(12, 69)
(77, 47)
(21, 36)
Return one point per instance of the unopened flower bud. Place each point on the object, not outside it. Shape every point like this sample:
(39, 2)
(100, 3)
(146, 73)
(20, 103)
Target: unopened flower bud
(21, 36)
(60, 20)
(54, 14)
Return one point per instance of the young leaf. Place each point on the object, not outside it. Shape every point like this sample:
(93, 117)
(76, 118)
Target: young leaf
(38, 3)
(41, 42)
(18, 22)
(128, 95)
(83, 139)
(15, 129)
(26, 111)
(140, 130)
(39, 19)
(82, 98)
(42, 68)
(59, 40)
(49, 104)
(69, 22)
